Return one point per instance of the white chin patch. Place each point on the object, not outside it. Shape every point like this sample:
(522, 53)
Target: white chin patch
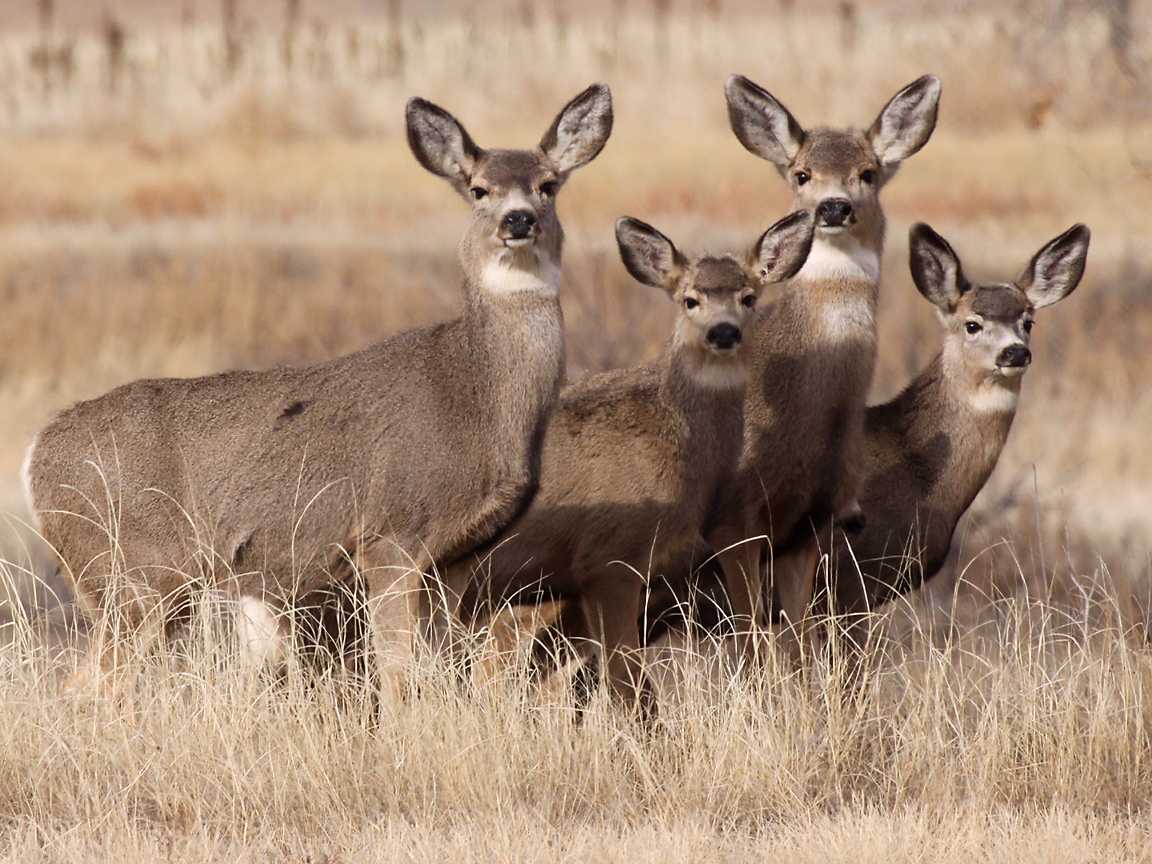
(513, 243)
(507, 274)
(840, 257)
(993, 399)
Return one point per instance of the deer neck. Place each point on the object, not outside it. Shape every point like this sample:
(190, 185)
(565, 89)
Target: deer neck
(965, 419)
(705, 395)
(839, 284)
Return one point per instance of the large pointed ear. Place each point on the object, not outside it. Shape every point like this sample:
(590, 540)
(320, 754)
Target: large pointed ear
(1056, 270)
(782, 250)
(580, 130)
(935, 268)
(762, 124)
(441, 144)
(907, 121)
(648, 255)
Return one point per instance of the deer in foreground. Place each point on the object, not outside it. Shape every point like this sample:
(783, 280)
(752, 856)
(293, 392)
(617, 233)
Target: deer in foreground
(815, 348)
(373, 466)
(632, 458)
(929, 451)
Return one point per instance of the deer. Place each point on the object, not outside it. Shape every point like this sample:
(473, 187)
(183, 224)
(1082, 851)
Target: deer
(372, 466)
(632, 458)
(815, 352)
(930, 450)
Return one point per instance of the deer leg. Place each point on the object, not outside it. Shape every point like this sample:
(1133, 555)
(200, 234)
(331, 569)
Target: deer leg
(794, 576)
(612, 609)
(743, 579)
(393, 577)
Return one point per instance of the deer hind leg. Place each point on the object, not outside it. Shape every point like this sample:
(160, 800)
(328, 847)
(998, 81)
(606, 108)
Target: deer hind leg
(740, 559)
(393, 577)
(794, 577)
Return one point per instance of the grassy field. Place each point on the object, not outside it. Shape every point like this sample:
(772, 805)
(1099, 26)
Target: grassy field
(189, 187)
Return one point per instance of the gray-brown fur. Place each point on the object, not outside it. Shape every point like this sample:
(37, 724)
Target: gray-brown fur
(930, 450)
(413, 450)
(632, 457)
(816, 346)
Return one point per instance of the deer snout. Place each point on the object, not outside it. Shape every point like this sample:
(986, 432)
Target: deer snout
(833, 212)
(724, 336)
(1014, 356)
(518, 225)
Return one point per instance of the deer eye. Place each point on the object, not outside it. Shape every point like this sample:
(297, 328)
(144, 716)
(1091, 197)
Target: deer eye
(802, 177)
(973, 327)
(1028, 326)
(749, 300)
(549, 189)
(477, 193)
(691, 302)
(868, 176)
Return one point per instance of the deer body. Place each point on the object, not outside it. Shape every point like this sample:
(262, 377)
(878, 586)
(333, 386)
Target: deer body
(930, 449)
(632, 458)
(815, 349)
(379, 463)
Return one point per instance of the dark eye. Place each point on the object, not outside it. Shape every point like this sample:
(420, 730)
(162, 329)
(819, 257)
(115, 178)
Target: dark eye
(973, 327)
(691, 302)
(868, 176)
(749, 300)
(1027, 326)
(549, 189)
(802, 177)
(477, 193)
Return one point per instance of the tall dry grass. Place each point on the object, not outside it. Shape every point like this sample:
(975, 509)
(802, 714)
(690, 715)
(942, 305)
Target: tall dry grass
(185, 189)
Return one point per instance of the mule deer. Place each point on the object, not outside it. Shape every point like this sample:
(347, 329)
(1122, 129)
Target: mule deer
(374, 465)
(632, 457)
(929, 451)
(815, 349)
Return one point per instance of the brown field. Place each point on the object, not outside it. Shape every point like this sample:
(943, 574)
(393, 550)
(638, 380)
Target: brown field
(189, 187)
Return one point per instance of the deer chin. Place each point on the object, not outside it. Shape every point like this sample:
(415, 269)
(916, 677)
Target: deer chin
(518, 242)
(1011, 371)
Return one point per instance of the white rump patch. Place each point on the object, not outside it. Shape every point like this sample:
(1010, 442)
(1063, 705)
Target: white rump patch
(993, 399)
(263, 639)
(840, 258)
(26, 481)
(500, 276)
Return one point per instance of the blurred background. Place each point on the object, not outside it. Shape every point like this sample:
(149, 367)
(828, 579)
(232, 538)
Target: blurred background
(188, 186)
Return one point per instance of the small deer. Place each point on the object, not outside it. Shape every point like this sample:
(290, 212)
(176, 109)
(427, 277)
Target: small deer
(371, 466)
(815, 348)
(929, 451)
(632, 458)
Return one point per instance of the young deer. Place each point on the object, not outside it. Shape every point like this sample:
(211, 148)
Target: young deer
(632, 457)
(377, 464)
(929, 451)
(815, 349)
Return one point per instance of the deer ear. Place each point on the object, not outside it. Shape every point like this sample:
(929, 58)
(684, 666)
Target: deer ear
(441, 144)
(782, 250)
(648, 255)
(580, 130)
(762, 124)
(1056, 270)
(935, 268)
(906, 123)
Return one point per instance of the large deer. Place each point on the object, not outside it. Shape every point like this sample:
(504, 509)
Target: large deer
(815, 348)
(275, 483)
(929, 451)
(632, 458)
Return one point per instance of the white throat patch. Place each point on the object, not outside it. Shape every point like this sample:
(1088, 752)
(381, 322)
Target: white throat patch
(838, 258)
(501, 277)
(721, 376)
(993, 399)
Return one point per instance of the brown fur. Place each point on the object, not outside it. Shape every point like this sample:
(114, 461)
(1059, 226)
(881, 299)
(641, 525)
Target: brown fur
(276, 483)
(816, 347)
(632, 457)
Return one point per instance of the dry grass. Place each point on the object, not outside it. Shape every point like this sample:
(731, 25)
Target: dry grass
(189, 196)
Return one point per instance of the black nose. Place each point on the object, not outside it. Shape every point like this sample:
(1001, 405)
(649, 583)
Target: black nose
(724, 336)
(1014, 355)
(518, 223)
(833, 211)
